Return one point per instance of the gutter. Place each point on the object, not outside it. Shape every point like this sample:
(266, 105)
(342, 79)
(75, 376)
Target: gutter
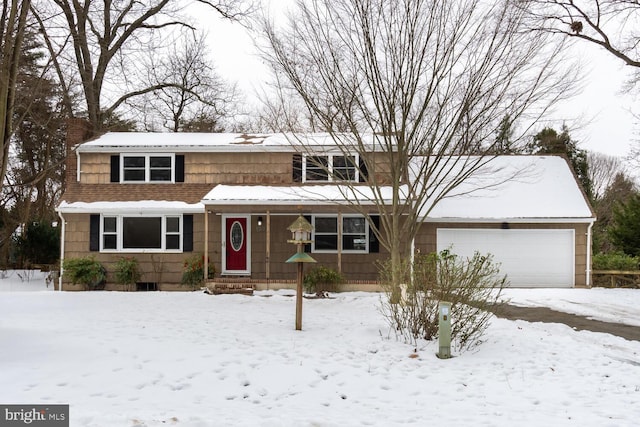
(77, 166)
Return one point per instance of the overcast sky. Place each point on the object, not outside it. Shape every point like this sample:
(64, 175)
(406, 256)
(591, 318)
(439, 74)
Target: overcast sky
(599, 117)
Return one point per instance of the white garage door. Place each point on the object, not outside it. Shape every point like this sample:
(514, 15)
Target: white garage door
(527, 257)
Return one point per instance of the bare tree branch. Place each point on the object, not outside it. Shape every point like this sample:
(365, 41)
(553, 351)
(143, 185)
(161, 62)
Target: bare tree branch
(14, 22)
(419, 90)
(597, 22)
(107, 36)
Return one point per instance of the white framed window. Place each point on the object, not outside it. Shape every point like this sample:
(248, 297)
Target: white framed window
(109, 233)
(141, 233)
(147, 168)
(330, 168)
(353, 236)
(325, 234)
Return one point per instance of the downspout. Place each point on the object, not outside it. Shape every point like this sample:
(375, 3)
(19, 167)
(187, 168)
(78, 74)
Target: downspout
(206, 245)
(588, 269)
(63, 224)
(77, 166)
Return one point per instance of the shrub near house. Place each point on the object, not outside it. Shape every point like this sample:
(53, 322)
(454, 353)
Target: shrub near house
(127, 273)
(86, 271)
(321, 280)
(193, 274)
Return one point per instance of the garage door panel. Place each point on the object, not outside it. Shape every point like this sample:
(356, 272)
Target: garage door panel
(529, 257)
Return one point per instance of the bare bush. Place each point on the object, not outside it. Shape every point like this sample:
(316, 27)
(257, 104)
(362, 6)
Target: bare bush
(471, 285)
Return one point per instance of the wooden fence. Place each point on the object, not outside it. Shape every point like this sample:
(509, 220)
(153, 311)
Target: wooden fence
(616, 278)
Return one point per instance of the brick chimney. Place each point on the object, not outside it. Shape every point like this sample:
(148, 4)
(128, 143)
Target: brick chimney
(78, 131)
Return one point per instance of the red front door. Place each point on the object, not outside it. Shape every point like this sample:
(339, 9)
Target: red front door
(236, 242)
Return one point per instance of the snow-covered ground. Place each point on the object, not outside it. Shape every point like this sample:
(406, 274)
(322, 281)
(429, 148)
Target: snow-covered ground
(608, 305)
(190, 359)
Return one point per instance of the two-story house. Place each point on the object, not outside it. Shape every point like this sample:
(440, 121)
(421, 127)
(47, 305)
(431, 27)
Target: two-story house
(162, 197)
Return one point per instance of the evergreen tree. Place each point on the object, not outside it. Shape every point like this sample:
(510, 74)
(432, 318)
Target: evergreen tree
(38, 244)
(37, 169)
(504, 137)
(35, 179)
(625, 231)
(621, 189)
(548, 141)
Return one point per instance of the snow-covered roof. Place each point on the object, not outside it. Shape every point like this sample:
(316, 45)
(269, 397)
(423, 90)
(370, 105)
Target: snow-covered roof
(513, 188)
(137, 207)
(116, 142)
(298, 195)
(508, 188)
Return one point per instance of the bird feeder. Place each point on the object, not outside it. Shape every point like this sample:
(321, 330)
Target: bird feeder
(300, 231)
(300, 235)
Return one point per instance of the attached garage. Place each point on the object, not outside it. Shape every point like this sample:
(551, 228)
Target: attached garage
(527, 211)
(530, 258)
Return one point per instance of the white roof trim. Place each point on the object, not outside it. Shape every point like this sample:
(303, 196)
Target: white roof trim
(137, 207)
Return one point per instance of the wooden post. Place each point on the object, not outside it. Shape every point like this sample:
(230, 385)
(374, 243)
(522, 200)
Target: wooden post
(301, 233)
(339, 242)
(268, 255)
(299, 293)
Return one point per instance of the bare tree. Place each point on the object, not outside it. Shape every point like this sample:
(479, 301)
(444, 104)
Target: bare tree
(280, 113)
(37, 152)
(200, 95)
(13, 22)
(634, 152)
(603, 170)
(424, 82)
(610, 24)
(102, 41)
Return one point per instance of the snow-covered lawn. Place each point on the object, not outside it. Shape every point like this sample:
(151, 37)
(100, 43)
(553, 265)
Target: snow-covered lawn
(190, 359)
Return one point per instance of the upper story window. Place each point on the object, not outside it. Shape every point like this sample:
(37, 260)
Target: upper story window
(147, 168)
(330, 168)
(316, 168)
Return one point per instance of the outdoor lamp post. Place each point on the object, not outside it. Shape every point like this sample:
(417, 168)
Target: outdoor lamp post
(300, 236)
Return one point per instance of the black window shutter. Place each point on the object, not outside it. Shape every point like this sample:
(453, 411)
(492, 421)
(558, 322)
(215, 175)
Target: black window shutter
(94, 232)
(180, 168)
(115, 168)
(297, 168)
(374, 244)
(364, 173)
(307, 247)
(187, 233)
